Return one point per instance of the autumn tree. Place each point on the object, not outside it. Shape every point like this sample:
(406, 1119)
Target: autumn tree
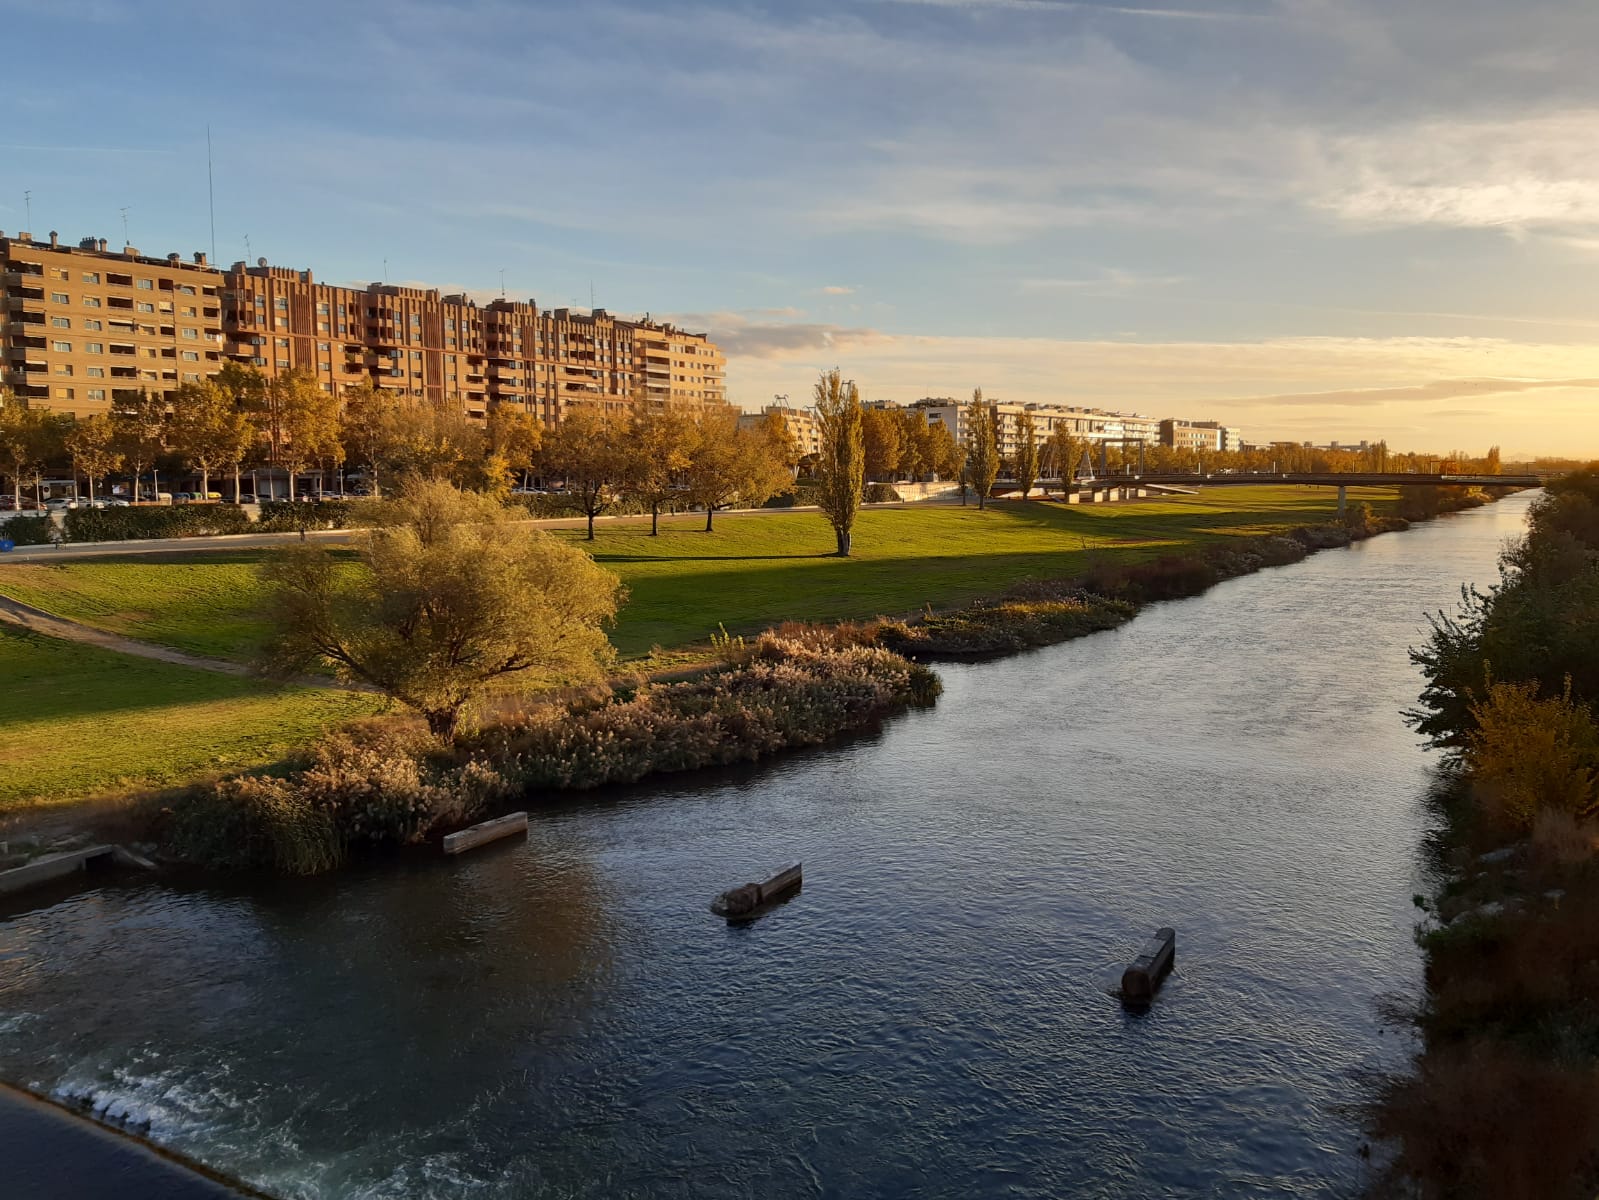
(437, 440)
(1026, 452)
(369, 431)
(92, 444)
(511, 440)
(210, 431)
(946, 457)
(659, 444)
(29, 437)
(307, 421)
(841, 466)
(140, 422)
(728, 465)
(449, 602)
(587, 451)
(915, 444)
(880, 441)
(982, 455)
(785, 446)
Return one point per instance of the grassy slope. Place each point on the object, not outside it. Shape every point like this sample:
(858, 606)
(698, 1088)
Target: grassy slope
(75, 720)
(751, 572)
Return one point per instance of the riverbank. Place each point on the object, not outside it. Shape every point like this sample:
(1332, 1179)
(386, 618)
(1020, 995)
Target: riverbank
(1503, 1099)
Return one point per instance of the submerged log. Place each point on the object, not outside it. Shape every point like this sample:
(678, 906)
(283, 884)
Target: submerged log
(1148, 971)
(748, 899)
(485, 832)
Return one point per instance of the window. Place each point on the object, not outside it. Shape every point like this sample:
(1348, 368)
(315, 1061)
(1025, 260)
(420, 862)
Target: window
(281, 304)
(64, 369)
(324, 347)
(283, 343)
(283, 362)
(191, 334)
(188, 311)
(322, 310)
(190, 356)
(190, 377)
(91, 324)
(95, 393)
(65, 394)
(95, 372)
(60, 298)
(60, 273)
(186, 289)
(91, 277)
(323, 327)
(94, 348)
(61, 322)
(282, 322)
(144, 285)
(145, 306)
(149, 375)
(91, 302)
(61, 347)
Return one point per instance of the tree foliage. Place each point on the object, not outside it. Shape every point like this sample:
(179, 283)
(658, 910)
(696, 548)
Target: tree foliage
(91, 443)
(1027, 453)
(841, 466)
(29, 437)
(586, 451)
(982, 449)
(450, 600)
(730, 465)
(307, 421)
(209, 430)
(140, 422)
(881, 438)
(659, 446)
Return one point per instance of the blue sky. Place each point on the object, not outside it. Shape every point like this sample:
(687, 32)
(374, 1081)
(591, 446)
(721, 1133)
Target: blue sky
(1314, 218)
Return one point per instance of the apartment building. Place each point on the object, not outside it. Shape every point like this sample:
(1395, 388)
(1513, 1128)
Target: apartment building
(77, 324)
(1200, 435)
(802, 423)
(1089, 424)
(80, 324)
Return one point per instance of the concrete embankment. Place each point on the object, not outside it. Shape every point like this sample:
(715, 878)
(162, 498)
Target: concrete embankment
(50, 1153)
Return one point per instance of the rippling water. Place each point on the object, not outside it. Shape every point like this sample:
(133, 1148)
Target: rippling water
(929, 1016)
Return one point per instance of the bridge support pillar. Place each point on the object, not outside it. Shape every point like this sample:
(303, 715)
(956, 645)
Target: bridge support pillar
(1343, 499)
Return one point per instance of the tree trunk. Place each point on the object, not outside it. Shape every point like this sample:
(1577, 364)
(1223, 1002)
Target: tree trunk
(709, 513)
(442, 723)
(590, 515)
(236, 483)
(655, 518)
(843, 542)
(205, 484)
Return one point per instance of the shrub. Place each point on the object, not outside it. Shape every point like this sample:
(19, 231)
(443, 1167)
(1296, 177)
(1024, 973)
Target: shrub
(881, 493)
(133, 524)
(290, 516)
(27, 531)
(993, 628)
(1527, 754)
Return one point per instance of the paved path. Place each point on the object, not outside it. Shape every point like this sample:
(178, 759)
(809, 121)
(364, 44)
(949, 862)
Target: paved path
(36, 620)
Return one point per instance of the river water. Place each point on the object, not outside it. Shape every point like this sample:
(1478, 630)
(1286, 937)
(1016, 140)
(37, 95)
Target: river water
(930, 1016)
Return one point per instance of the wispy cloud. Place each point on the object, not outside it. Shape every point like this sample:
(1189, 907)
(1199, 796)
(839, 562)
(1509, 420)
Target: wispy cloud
(837, 289)
(1111, 281)
(1122, 10)
(1437, 389)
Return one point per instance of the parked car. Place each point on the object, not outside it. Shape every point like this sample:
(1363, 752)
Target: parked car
(61, 504)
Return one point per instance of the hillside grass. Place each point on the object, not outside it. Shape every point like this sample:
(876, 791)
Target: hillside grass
(753, 571)
(76, 721)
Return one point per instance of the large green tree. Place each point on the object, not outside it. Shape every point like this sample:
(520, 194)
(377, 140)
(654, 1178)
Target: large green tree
(29, 437)
(587, 450)
(210, 431)
(881, 440)
(92, 444)
(448, 602)
(307, 420)
(982, 453)
(140, 421)
(728, 465)
(659, 445)
(841, 466)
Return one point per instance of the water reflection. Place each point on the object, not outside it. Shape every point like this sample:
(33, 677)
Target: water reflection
(564, 1017)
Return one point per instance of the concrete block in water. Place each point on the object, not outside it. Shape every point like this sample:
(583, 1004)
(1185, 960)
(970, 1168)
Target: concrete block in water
(1148, 971)
(54, 866)
(747, 899)
(484, 832)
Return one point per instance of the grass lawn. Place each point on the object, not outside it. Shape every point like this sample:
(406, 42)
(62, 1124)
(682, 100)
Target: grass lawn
(76, 720)
(753, 571)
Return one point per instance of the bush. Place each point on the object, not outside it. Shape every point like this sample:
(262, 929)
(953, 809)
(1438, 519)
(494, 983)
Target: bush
(881, 493)
(290, 516)
(994, 628)
(27, 531)
(1527, 754)
(133, 524)
(801, 494)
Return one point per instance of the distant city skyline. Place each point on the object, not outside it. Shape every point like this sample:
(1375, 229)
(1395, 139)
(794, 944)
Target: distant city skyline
(1315, 219)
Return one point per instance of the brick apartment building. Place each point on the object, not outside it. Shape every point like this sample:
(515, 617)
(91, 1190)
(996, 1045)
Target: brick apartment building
(80, 323)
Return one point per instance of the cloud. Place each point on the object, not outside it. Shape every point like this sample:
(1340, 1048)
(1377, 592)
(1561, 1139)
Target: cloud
(741, 337)
(1437, 389)
(1124, 10)
(837, 289)
(1111, 281)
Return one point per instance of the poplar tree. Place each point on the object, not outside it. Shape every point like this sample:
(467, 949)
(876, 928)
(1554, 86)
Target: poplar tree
(841, 466)
(1027, 452)
(982, 456)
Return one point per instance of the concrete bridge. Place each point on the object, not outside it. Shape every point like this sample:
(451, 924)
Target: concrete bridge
(1122, 486)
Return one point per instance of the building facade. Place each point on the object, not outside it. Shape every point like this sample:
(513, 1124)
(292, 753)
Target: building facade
(79, 324)
(802, 424)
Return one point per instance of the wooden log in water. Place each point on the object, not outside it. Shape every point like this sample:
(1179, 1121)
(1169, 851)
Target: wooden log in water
(745, 900)
(484, 832)
(1148, 971)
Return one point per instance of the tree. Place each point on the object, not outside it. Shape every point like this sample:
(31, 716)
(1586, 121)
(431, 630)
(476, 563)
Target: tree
(1066, 451)
(511, 437)
(449, 601)
(982, 455)
(945, 456)
(29, 437)
(785, 446)
(140, 421)
(1026, 452)
(92, 444)
(307, 420)
(436, 440)
(369, 431)
(586, 451)
(659, 445)
(841, 466)
(880, 439)
(210, 431)
(728, 465)
(915, 444)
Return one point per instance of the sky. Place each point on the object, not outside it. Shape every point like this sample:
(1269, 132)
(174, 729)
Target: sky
(1314, 219)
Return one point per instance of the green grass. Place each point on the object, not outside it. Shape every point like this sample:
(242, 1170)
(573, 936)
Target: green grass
(753, 571)
(76, 721)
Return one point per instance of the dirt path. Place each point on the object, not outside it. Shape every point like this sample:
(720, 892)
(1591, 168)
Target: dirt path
(36, 620)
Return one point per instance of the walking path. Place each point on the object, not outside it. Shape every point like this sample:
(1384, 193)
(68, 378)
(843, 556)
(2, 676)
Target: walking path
(36, 620)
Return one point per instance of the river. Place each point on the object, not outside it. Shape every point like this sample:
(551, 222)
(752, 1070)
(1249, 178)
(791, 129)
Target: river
(930, 1015)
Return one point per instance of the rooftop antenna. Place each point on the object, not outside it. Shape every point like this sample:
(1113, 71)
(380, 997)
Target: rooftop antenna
(27, 200)
(591, 295)
(385, 270)
(246, 247)
(124, 213)
(211, 193)
(502, 283)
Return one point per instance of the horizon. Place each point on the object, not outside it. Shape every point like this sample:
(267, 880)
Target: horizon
(1316, 221)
